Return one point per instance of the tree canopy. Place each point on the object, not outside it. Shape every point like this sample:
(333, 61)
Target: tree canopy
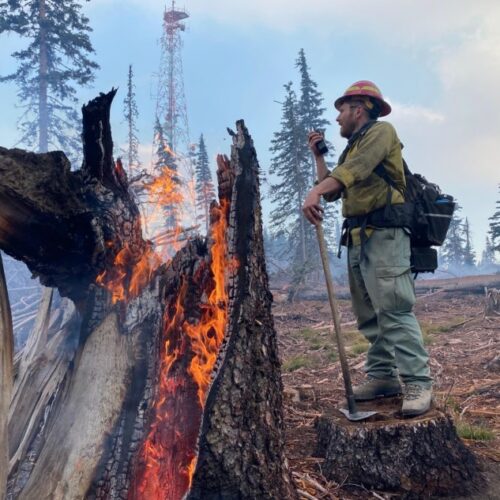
(55, 61)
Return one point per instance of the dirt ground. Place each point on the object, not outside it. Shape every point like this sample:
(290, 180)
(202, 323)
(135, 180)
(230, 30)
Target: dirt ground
(465, 362)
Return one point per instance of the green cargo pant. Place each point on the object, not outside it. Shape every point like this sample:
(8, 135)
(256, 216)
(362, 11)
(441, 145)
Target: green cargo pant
(383, 296)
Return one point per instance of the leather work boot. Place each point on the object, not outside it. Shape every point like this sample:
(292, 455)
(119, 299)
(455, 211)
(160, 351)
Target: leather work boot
(416, 400)
(373, 388)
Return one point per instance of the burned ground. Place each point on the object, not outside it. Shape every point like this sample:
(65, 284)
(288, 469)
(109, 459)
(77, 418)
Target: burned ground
(464, 348)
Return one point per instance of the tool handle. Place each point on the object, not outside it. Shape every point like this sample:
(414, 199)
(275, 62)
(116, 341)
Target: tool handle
(336, 319)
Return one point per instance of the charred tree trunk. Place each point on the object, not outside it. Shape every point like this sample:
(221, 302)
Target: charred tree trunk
(417, 458)
(241, 443)
(173, 390)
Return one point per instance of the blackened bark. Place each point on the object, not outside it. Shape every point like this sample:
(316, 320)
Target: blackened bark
(241, 450)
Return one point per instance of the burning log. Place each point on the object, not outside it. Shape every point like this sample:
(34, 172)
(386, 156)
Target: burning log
(421, 457)
(169, 385)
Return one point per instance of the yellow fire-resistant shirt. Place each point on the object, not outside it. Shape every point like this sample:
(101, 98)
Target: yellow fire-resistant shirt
(366, 191)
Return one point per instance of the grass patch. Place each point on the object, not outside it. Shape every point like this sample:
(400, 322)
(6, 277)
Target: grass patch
(352, 336)
(316, 340)
(332, 356)
(359, 348)
(474, 432)
(443, 328)
(297, 362)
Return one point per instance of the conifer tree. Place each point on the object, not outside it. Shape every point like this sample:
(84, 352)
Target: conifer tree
(452, 252)
(290, 165)
(131, 114)
(495, 225)
(310, 107)
(469, 254)
(56, 59)
(488, 255)
(205, 191)
(311, 113)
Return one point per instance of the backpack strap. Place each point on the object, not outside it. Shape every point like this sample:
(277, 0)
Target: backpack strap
(359, 134)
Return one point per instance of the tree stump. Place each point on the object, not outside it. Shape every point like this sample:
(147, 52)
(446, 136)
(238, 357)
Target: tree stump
(492, 302)
(419, 458)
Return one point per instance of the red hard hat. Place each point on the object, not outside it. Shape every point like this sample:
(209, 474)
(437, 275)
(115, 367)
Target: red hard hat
(365, 88)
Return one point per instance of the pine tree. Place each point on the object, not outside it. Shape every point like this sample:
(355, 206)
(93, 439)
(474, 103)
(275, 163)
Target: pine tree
(488, 255)
(311, 114)
(495, 226)
(131, 114)
(290, 164)
(310, 105)
(452, 252)
(469, 254)
(205, 191)
(56, 59)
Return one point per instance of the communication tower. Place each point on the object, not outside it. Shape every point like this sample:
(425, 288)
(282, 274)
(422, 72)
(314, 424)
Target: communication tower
(171, 108)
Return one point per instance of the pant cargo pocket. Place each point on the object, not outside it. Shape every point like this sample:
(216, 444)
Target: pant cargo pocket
(395, 288)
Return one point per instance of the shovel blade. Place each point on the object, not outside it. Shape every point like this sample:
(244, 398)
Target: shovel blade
(357, 415)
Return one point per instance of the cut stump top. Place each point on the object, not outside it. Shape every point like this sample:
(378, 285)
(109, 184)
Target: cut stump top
(388, 412)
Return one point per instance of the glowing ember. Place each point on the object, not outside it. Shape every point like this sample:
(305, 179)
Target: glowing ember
(168, 456)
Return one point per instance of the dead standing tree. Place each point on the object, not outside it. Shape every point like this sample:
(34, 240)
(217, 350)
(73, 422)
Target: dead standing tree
(111, 389)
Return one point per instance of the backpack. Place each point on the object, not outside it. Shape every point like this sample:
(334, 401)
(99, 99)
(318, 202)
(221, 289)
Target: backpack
(429, 213)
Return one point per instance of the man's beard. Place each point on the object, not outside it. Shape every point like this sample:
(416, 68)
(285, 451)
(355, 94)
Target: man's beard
(346, 132)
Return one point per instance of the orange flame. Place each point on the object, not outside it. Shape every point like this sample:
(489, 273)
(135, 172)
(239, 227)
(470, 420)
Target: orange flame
(167, 459)
(207, 336)
(129, 275)
(168, 456)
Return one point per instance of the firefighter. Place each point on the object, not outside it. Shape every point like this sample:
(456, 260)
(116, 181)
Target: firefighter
(378, 245)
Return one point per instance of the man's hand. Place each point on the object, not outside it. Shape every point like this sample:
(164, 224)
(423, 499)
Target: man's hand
(312, 209)
(313, 138)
